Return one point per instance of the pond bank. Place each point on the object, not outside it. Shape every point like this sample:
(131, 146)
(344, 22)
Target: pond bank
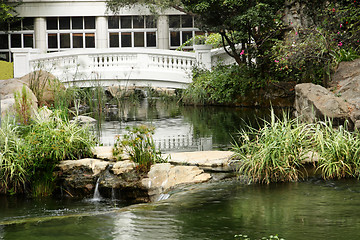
(80, 178)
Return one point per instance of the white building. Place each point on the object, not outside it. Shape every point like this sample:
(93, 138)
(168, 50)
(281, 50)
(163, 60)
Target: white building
(58, 25)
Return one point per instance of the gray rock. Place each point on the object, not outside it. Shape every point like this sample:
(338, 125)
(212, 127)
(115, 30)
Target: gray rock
(97, 166)
(314, 102)
(210, 160)
(123, 167)
(341, 101)
(85, 120)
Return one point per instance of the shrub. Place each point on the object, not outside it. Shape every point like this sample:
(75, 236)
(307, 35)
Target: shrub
(140, 146)
(339, 151)
(274, 152)
(224, 84)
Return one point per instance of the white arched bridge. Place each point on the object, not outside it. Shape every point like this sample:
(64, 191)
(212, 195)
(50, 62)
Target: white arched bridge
(139, 67)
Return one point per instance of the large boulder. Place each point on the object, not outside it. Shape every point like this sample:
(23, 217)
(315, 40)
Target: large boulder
(164, 176)
(346, 84)
(341, 101)
(7, 89)
(46, 85)
(314, 102)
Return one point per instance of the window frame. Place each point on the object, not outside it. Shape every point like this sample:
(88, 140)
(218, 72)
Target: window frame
(23, 31)
(132, 30)
(73, 32)
(182, 30)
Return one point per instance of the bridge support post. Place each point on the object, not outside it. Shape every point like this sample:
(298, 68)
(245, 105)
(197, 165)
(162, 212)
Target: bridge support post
(22, 60)
(203, 55)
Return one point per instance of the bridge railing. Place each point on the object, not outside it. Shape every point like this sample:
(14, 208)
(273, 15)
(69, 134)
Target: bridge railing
(120, 66)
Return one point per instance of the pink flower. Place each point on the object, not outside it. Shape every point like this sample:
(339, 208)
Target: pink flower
(242, 52)
(340, 25)
(340, 44)
(296, 33)
(276, 61)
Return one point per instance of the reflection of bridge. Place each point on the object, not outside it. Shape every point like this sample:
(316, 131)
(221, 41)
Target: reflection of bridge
(121, 66)
(183, 143)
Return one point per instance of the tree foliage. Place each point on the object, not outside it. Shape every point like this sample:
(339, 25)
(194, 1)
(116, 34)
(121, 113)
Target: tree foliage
(7, 12)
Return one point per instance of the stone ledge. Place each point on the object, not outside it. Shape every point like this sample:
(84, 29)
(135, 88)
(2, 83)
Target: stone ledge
(210, 160)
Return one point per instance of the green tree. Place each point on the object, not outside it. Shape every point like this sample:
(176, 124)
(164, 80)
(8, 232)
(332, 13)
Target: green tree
(7, 12)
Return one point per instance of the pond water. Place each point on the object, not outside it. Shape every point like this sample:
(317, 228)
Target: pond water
(314, 209)
(180, 128)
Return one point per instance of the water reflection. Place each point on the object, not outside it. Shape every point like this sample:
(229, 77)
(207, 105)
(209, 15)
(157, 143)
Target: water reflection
(180, 128)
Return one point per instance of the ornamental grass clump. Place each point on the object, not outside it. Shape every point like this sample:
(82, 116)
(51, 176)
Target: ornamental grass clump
(273, 153)
(339, 150)
(29, 153)
(14, 159)
(140, 147)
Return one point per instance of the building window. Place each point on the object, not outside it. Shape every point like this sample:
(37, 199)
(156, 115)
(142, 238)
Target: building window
(70, 32)
(132, 31)
(19, 34)
(182, 28)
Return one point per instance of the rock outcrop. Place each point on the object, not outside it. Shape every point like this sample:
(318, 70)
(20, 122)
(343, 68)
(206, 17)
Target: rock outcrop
(316, 102)
(163, 177)
(341, 101)
(79, 177)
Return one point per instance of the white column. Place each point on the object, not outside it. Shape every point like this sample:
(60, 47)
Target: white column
(40, 34)
(163, 32)
(203, 55)
(101, 32)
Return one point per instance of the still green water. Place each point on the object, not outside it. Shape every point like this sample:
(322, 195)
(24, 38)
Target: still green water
(313, 209)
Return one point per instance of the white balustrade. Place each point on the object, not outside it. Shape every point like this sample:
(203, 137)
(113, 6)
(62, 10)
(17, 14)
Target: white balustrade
(136, 66)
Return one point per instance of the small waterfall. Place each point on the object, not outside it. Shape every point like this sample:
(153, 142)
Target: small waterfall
(163, 196)
(113, 196)
(97, 196)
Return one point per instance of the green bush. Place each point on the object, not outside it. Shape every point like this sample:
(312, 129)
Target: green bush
(224, 84)
(139, 145)
(6, 70)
